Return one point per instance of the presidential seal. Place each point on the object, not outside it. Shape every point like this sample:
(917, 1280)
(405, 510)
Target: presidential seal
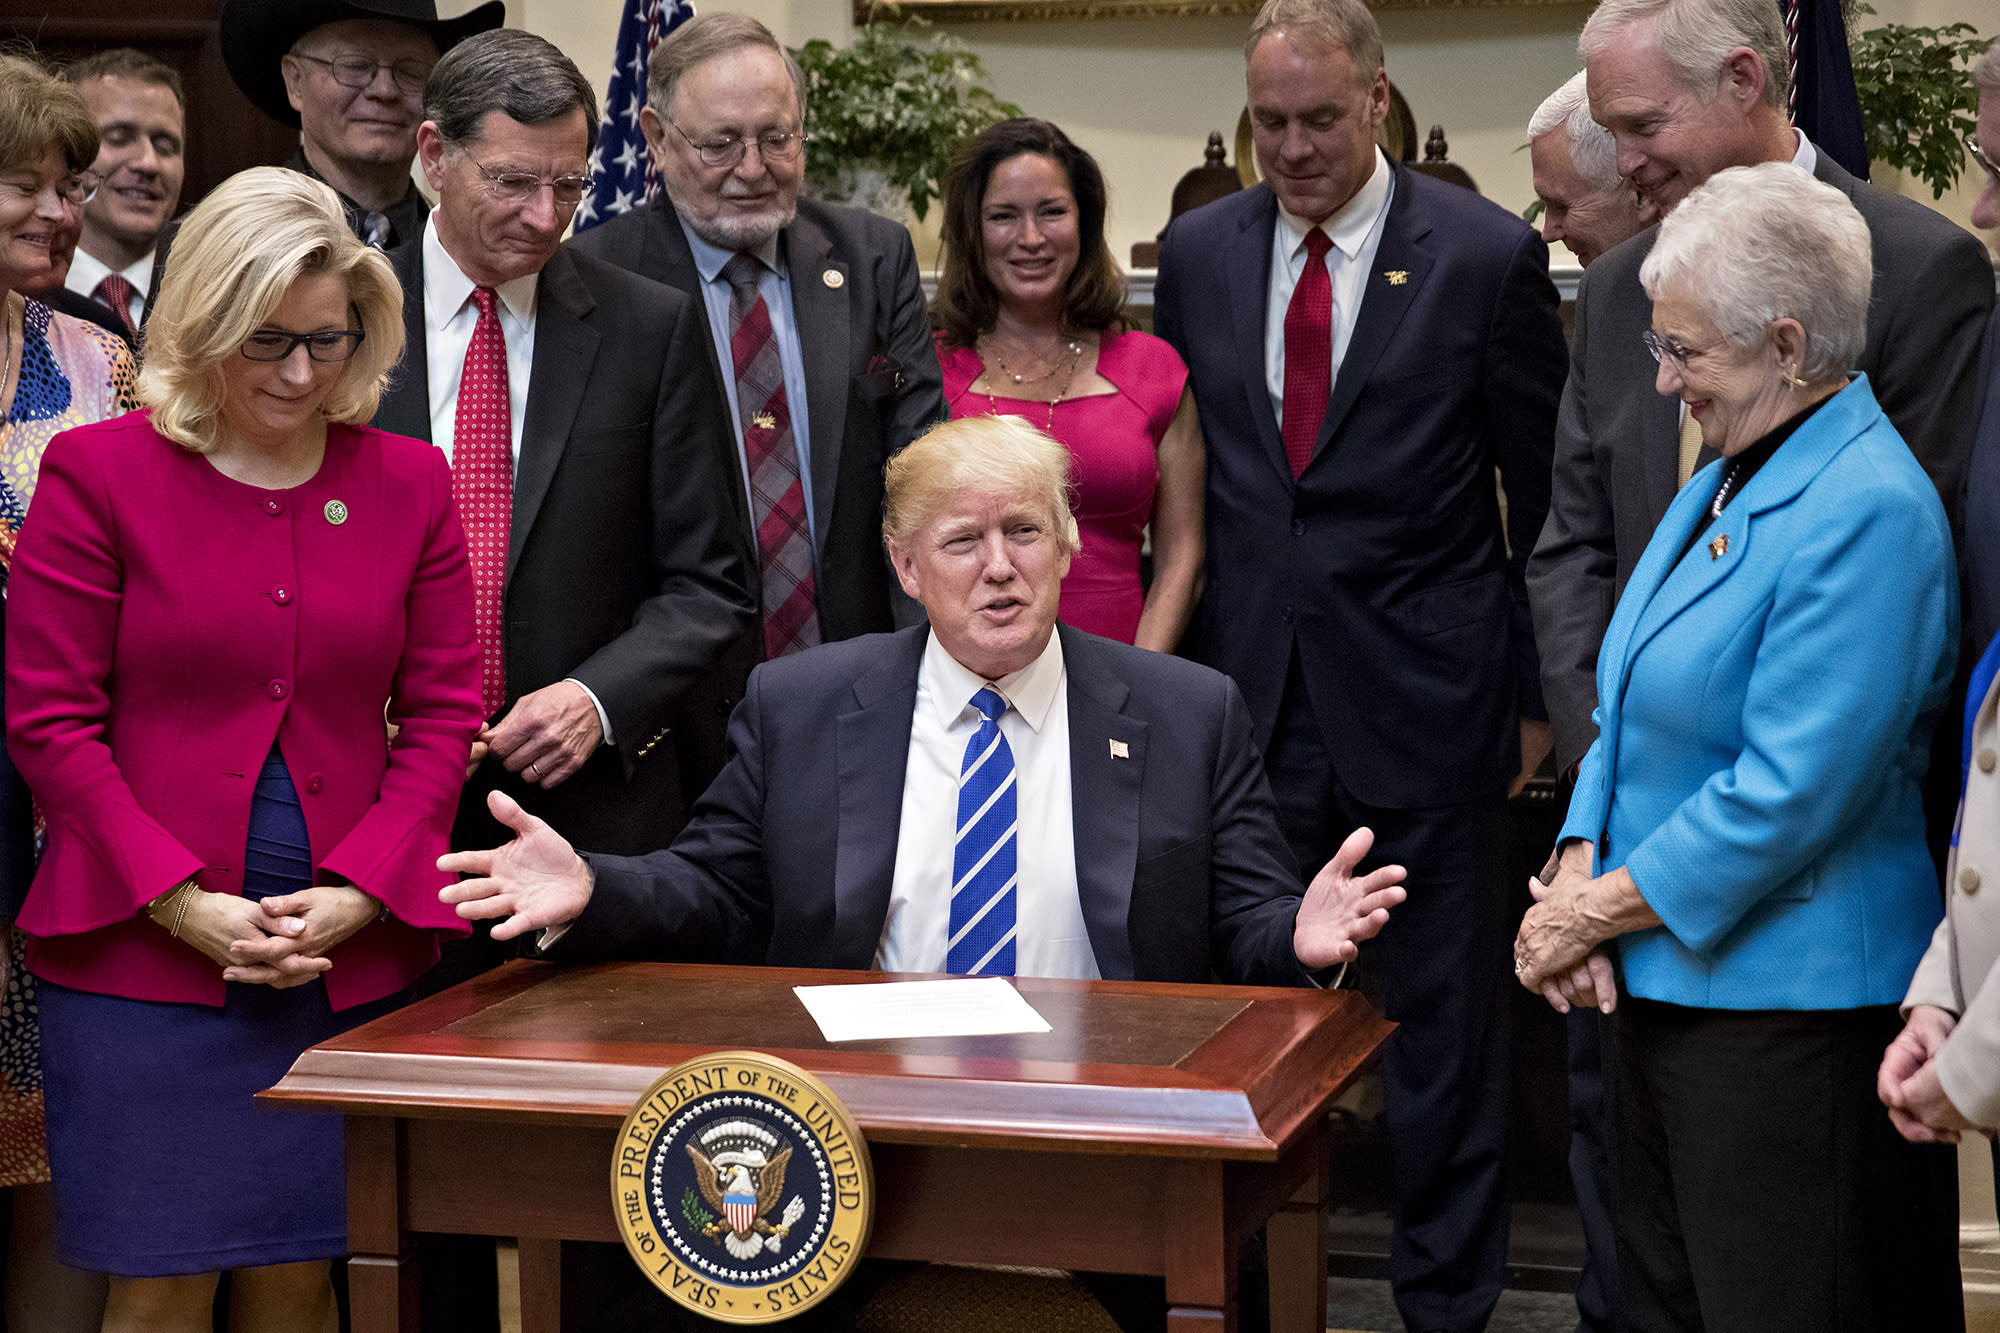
(742, 1187)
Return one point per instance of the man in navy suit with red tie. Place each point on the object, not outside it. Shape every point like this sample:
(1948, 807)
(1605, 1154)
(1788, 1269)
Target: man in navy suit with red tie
(1367, 346)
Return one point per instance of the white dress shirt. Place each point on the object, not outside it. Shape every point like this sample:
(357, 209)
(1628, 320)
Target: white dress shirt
(1051, 939)
(1356, 232)
(85, 272)
(449, 316)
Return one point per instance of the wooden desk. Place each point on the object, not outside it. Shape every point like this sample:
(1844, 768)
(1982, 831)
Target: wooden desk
(1152, 1131)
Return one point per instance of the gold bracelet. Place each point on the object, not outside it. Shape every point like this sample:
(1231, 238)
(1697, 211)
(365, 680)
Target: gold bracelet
(187, 894)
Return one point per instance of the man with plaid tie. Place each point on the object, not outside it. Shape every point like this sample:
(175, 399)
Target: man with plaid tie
(819, 339)
(141, 136)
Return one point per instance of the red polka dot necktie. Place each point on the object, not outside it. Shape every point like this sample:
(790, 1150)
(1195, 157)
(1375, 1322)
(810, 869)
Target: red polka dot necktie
(1308, 354)
(777, 495)
(482, 482)
(115, 292)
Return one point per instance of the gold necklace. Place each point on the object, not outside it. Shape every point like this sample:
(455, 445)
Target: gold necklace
(1075, 355)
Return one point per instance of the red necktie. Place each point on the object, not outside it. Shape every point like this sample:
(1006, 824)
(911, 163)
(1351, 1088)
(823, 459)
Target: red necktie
(482, 482)
(777, 496)
(1308, 354)
(116, 293)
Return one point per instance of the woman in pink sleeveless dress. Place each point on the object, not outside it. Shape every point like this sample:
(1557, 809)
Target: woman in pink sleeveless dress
(1029, 301)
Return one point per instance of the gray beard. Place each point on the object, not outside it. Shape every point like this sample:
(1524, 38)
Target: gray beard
(740, 233)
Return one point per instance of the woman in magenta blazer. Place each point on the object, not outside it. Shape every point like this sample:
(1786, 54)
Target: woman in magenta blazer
(216, 604)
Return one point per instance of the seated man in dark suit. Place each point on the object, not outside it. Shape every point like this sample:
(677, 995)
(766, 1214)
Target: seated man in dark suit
(1112, 818)
(986, 795)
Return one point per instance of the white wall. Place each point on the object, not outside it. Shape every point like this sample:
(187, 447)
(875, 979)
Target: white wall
(1142, 94)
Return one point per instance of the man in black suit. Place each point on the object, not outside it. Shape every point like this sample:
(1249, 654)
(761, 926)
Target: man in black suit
(841, 285)
(1367, 345)
(588, 451)
(623, 578)
(1688, 88)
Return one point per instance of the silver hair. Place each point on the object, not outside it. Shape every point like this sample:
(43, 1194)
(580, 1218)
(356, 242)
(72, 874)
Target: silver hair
(1696, 36)
(1754, 245)
(1591, 150)
(1347, 24)
(1986, 70)
(705, 37)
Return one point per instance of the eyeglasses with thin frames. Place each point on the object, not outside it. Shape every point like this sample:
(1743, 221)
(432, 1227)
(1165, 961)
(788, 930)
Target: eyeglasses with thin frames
(79, 188)
(358, 71)
(1979, 156)
(1669, 348)
(726, 150)
(512, 186)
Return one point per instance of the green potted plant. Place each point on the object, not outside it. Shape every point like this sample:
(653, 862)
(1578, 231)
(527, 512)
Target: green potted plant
(1917, 102)
(885, 113)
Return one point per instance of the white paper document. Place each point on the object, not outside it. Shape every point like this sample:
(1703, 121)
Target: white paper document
(959, 1007)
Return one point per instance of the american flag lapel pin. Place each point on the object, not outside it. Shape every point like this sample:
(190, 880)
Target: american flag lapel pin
(1120, 750)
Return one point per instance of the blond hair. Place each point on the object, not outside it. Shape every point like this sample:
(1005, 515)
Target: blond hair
(982, 456)
(236, 256)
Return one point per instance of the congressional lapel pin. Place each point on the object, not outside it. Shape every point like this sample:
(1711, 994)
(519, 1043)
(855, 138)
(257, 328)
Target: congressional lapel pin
(1397, 276)
(1719, 547)
(764, 421)
(834, 278)
(1120, 750)
(336, 512)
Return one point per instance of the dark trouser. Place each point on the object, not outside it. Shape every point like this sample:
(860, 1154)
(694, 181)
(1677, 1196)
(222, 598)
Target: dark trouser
(1440, 970)
(1761, 1187)
(1593, 1167)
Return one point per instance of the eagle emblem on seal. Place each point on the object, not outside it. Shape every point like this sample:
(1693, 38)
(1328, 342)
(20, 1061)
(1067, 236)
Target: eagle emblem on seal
(741, 1171)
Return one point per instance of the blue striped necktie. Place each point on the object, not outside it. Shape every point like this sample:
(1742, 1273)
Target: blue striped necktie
(982, 860)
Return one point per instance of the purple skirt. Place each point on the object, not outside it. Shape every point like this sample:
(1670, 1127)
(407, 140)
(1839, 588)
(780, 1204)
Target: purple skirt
(163, 1164)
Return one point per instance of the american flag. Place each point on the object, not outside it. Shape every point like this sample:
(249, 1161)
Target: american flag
(621, 174)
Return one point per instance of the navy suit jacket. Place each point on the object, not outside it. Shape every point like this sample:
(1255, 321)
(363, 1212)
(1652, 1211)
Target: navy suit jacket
(789, 858)
(1384, 565)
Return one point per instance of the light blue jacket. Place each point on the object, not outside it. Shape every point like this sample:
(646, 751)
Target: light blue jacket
(1764, 714)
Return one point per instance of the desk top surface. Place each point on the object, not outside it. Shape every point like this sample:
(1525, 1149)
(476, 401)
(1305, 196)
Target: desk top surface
(1223, 1071)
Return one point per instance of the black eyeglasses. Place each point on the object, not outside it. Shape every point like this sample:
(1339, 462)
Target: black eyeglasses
(512, 185)
(79, 188)
(277, 344)
(358, 71)
(1979, 156)
(726, 150)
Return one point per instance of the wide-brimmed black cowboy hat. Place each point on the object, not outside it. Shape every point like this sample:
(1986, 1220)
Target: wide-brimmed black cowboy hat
(257, 33)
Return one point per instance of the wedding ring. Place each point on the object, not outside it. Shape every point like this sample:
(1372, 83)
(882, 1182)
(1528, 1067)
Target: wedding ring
(533, 766)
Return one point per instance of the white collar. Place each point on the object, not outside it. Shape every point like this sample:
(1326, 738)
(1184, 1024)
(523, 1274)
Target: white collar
(1031, 692)
(447, 289)
(1350, 224)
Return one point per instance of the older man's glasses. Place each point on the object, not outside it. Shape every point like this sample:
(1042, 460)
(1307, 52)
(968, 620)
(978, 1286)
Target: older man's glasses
(513, 186)
(277, 344)
(726, 150)
(79, 188)
(358, 71)
(1979, 156)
